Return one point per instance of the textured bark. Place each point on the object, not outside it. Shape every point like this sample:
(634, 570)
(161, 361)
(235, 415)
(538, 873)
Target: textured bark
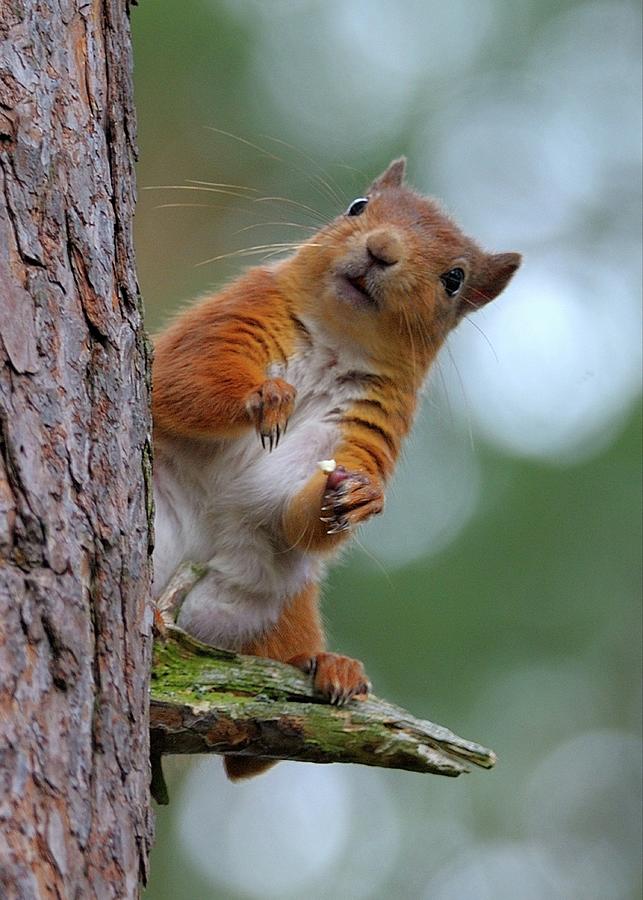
(213, 701)
(74, 460)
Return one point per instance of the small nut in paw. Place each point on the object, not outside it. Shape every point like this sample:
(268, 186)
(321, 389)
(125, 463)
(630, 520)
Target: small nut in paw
(327, 465)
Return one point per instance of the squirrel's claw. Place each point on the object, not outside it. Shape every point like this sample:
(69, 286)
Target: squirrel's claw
(270, 406)
(270, 439)
(340, 525)
(350, 501)
(337, 678)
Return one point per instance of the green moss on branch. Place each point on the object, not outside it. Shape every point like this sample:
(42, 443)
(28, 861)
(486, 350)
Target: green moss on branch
(213, 701)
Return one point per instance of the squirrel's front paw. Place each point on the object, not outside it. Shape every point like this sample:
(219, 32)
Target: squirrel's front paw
(338, 678)
(270, 406)
(350, 498)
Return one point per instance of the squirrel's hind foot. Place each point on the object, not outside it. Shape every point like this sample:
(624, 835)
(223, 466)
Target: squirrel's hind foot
(338, 678)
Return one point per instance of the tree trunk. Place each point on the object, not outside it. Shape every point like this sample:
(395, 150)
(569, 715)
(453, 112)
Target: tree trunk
(74, 460)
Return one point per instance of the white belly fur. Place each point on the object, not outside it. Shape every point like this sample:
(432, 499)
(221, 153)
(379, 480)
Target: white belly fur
(221, 502)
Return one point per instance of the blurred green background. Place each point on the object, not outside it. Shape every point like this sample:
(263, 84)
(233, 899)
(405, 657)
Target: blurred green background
(500, 593)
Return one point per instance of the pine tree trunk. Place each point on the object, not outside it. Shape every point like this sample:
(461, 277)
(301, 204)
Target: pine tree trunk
(75, 637)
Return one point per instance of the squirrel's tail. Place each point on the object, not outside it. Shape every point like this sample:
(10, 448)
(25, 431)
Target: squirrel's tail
(239, 767)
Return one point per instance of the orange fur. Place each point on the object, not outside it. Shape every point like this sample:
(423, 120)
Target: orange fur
(372, 282)
(214, 356)
(298, 631)
(298, 638)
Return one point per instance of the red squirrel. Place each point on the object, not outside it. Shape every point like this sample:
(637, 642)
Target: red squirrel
(317, 357)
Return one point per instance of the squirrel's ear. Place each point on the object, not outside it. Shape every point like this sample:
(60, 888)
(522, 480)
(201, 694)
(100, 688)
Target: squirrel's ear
(392, 177)
(492, 280)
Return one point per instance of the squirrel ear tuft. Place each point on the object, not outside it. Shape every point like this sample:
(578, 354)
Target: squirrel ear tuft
(392, 177)
(493, 279)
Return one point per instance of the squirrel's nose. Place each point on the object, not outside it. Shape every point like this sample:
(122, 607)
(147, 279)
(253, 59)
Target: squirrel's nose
(384, 248)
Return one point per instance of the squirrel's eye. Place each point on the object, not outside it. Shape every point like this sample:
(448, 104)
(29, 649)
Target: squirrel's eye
(452, 281)
(357, 207)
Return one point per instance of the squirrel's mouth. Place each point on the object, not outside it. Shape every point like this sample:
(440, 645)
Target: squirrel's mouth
(354, 289)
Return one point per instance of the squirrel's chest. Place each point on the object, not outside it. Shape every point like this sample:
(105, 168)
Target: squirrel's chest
(321, 376)
(323, 392)
(225, 500)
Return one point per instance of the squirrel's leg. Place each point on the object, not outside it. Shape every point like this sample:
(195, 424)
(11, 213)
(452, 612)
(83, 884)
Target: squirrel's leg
(325, 511)
(222, 400)
(298, 639)
(211, 367)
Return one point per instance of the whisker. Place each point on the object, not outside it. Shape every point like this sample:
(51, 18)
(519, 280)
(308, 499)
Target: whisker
(236, 209)
(359, 172)
(359, 179)
(269, 255)
(222, 184)
(233, 253)
(364, 179)
(284, 224)
(235, 137)
(380, 565)
(210, 189)
(467, 405)
(323, 178)
(303, 206)
(475, 290)
(432, 349)
(217, 190)
(488, 342)
(259, 248)
(267, 153)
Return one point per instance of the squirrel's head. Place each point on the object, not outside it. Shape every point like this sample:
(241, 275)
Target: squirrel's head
(393, 269)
